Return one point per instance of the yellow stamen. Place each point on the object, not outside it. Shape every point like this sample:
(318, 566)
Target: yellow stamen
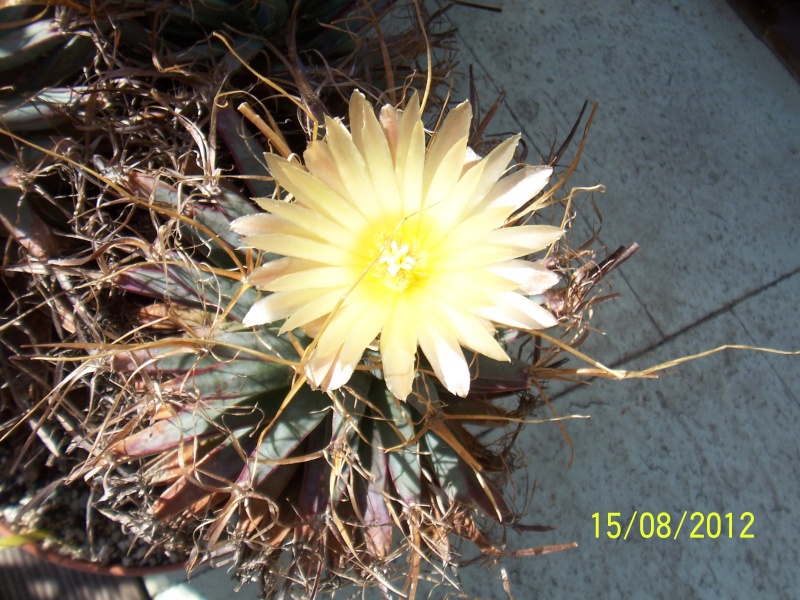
(398, 262)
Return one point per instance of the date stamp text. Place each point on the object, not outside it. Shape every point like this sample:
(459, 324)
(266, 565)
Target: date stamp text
(697, 525)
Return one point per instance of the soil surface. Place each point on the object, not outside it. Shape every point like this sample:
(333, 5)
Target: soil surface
(34, 495)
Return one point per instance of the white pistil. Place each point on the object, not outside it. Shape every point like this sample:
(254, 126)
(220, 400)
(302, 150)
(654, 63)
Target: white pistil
(397, 258)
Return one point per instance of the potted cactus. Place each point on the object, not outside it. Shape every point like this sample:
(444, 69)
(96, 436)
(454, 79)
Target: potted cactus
(283, 335)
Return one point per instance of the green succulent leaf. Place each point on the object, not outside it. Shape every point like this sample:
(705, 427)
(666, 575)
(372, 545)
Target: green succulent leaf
(189, 285)
(396, 430)
(269, 15)
(314, 490)
(236, 367)
(244, 151)
(283, 434)
(45, 110)
(217, 216)
(457, 479)
(22, 222)
(244, 350)
(449, 469)
(217, 468)
(375, 511)
(209, 218)
(498, 377)
(246, 49)
(197, 423)
(61, 64)
(236, 388)
(24, 44)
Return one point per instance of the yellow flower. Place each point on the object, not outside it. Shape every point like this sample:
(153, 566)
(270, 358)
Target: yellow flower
(391, 240)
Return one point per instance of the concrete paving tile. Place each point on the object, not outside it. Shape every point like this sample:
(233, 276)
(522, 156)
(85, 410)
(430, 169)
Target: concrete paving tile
(696, 139)
(770, 318)
(503, 123)
(718, 435)
(211, 584)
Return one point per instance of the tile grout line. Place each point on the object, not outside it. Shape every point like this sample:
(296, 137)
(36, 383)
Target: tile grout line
(730, 307)
(712, 315)
(787, 388)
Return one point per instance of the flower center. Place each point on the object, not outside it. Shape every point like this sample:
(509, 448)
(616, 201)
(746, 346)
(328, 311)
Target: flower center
(397, 258)
(399, 264)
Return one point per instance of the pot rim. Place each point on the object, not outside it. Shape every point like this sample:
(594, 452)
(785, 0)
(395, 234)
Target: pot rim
(53, 557)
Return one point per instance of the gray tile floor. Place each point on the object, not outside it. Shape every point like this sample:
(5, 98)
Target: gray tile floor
(698, 144)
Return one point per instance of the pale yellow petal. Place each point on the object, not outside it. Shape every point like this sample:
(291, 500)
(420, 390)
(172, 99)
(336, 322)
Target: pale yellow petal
(479, 255)
(470, 190)
(277, 306)
(467, 286)
(410, 157)
(390, 123)
(269, 272)
(467, 233)
(439, 184)
(446, 358)
(359, 107)
(271, 225)
(301, 246)
(531, 277)
(318, 277)
(314, 327)
(297, 222)
(253, 224)
(474, 333)
(327, 372)
(315, 194)
(332, 371)
(471, 158)
(358, 321)
(341, 344)
(353, 170)
(321, 304)
(319, 162)
(259, 314)
(453, 129)
(362, 334)
(317, 224)
(446, 151)
(527, 238)
(398, 346)
(494, 165)
(516, 189)
(438, 220)
(381, 168)
(514, 310)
